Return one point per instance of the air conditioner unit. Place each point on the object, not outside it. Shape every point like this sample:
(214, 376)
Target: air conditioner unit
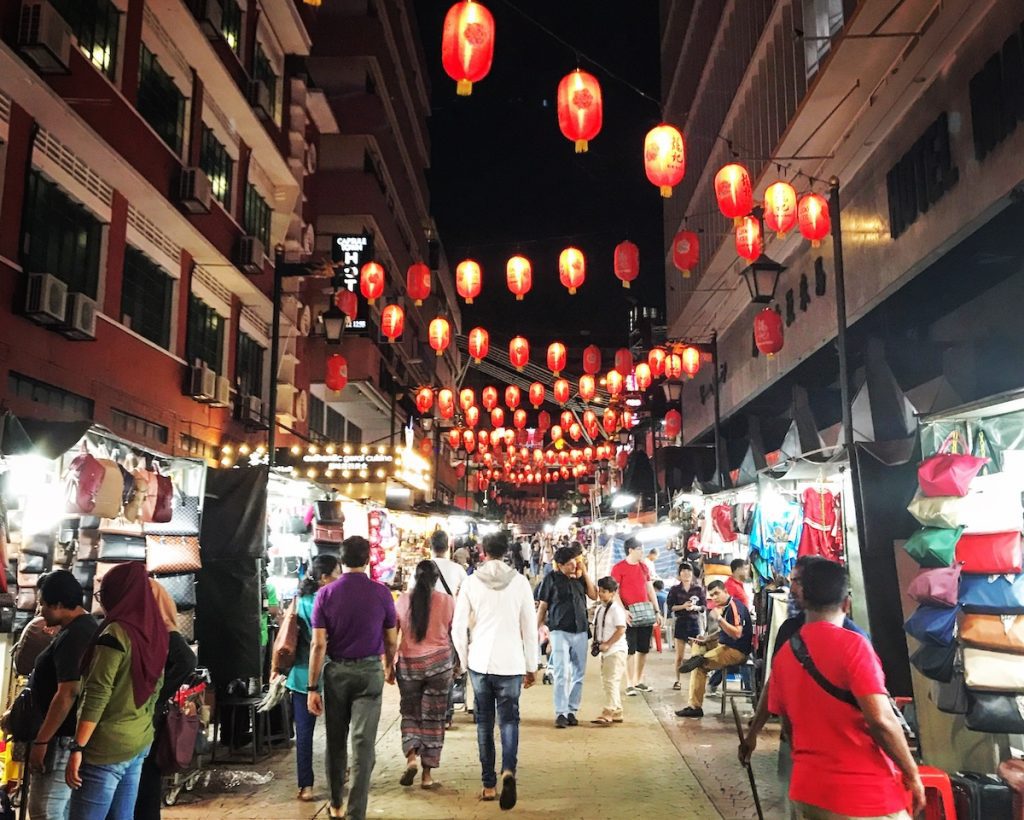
(209, 15)
(249, 409)
(202, 383)
(259, 98)
(195, 192)
(46, 301)
(250, 255)
(80, 318)
(44, 39)
(222, 392)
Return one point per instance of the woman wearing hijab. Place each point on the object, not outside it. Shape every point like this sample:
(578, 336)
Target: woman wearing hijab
(181, 662)
(124, 670)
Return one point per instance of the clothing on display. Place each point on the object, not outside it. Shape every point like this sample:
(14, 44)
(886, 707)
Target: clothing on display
(822, 532)
(774, 538)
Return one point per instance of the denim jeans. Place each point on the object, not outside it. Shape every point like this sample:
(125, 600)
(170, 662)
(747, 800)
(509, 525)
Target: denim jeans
(568, 663)
(496, 693)
(108, 790)
(49, 796)
(305, 723)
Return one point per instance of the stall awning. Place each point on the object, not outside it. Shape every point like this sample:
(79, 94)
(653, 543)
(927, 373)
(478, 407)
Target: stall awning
(50, 439)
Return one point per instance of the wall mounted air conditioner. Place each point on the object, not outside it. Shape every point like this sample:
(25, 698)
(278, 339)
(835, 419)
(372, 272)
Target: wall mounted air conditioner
(249, 409)
(259, 98)
(195, 192)
(80, 318)
(46, 300)
(250, 255)
(44, 39)
(222, 393)
(202, 383)
(209, 15)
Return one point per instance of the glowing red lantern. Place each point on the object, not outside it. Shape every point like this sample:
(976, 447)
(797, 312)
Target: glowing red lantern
(814, 220)
(566, 418)
(479, 344)
(538, 456)
(472, 416)
(347, 302)
(572, 269)
(469, 440)
(656, 361)
(623, 361)
(536, 394)
(489, 398)
(417, 282)
(780, 208)
(686, 252)
(622, 458)
(519, 352)
(467, 45)
(460, 470)
(392, 322)
(454, 439)
(440, 334)
(748, 238)
(690, 360)
(426, 447)
(424, 400)
(519, 276)
(613, 381)
(561, 391)
(673, 423)
(626, 262)
(466, 398)
(556, 433)
(556, 357)
(575, 431)
(768, 333)
(587, 387)
(481, 483)
(580, 109)
(468, 280)
(590, 423)
(673, 366)
(519, 419)
(371, 281)
(592, 360)
(337, 372)
(543, 421)
(642, 375)
(627, 419)
(497, 434)
(497, 417)
(610, 421)
(445, 403)
(734, 191)
(664, 157)
(512, 397)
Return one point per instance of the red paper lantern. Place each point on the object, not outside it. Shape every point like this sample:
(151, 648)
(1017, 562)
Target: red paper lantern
(556, 357)
(440, 334)
(454, 439)
(489, 398)
(445, 403)
(347, 302)
(467, 45)
(690, 360)
(392, 322)
(479, 344)
(424, 400)
(768, 333)
(460, 470)
(467, 398)
(519, 352)
(642, 374)
(626, 262)
(627, 419)
(656, 361)
(561, 391)
(572, 269)
(622, 458)
(472, 416)
(813, 216)
(748, 238)
(673, 423)
(780, 208)
(497, 434)
(556, 433)
(417, 282)
(426, 447)
(624, 361)
(566, 418)
(580, 108)
(575, 431)
(588, 388)
(686, 252)
(613, 381)
(734, 191)
(673, 366)
(371, 281)
(590, 422)
(543, 421)
(664, 157)
(536, 394)
(512, 397)
(337, 372)
(519, 419)
(469, 440)
(592, 360)
(610, 421)
(468, 280)
(519, 276)
(497, 418)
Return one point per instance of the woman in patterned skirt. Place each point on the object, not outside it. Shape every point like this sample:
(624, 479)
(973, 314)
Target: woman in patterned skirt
(424, 668)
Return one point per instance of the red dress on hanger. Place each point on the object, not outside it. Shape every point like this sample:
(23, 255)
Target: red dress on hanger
(721, 520)
(822, 532)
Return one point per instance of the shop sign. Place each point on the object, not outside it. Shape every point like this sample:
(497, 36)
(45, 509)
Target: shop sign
(350, 252)
(349, 461)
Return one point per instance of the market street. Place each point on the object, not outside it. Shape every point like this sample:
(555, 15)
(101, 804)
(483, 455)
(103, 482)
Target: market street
(652, 765)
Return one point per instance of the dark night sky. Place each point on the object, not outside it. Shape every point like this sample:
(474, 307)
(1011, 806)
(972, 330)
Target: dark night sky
(504, 180)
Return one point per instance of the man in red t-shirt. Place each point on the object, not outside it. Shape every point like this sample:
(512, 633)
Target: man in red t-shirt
(734, 584)
(847, 760)
(635, 587)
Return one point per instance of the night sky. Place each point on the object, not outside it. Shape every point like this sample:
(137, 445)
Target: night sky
(504, 180)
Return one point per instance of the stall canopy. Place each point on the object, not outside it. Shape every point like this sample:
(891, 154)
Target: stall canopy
(50, 439)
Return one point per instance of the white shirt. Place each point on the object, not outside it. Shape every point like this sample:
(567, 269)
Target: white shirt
(651, 568)
(453, 573)
(495, 624)
(608, 618)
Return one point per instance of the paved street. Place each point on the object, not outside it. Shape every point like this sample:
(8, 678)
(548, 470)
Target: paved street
(650, 766)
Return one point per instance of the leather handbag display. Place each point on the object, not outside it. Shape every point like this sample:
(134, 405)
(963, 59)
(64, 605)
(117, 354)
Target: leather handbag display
(27, 580)
(26, 600)
(932, 624)
(119, 526)
(184, 518)
(33, 564)
(993, 671)
(186, 625)
(935, 662)
(84, 572)
(951, 697)
(118, 548)
(329, 512)
(933, 546)
(82, 483)
(991, 553)
(995, 712)
(38, 544)
(181, 588)
(936, 587)
(88, 545)
(993, 505)
(111, 490)
(992, 594)
(328, 533)
(159, 497)
(136, 498)
(948, 473)
(940, 511)
(173, 554)
(1001, 633)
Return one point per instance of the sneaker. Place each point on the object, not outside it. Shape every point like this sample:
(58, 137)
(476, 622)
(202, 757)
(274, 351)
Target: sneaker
(631, 692)
(561, 722)
(690, 712)
(691, 663)
(571, 719)
(643, 687)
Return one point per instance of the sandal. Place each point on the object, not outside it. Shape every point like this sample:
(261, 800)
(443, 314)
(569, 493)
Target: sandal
(602, 721)
(305, 794)
(408, 776)
(676, 686)
(488, 798)
(433, 785)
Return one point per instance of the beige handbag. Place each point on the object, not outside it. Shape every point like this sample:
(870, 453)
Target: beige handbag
(993, 671)
(111, 490)
(1000, 633)
(133, 507)
(940, 511)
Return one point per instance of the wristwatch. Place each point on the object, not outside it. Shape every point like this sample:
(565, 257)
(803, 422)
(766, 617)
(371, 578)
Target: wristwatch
(76, 747)
(313, 688)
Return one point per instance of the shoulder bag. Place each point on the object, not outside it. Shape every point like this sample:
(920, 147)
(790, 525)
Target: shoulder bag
(181, 588)
(939, 511)
(993, 671)
(992, 594)
(933, 546)
(932, 624)
(22, 721)
(948, 473)
(116, 547)
(642, 614)
(951, 697)
(935, 662)
(173, 554)
(184, 518)
(286, 643)
(176, 739)
(936, 587)
(996, 553)
(84, 477)
(111, 490)
(329, 512)
(1000, 633)
(995, 712)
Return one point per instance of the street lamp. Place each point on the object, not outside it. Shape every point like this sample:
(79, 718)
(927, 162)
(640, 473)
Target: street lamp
(673, 391)
(427, 423)
(762, 278)
(623, 437)
(334, 324)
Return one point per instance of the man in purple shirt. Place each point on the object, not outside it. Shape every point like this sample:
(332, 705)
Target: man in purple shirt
(353, 625)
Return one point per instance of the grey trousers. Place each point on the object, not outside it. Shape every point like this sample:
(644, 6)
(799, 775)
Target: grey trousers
(352, 697)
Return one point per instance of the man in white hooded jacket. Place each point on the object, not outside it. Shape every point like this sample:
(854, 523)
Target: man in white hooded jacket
(495, 636)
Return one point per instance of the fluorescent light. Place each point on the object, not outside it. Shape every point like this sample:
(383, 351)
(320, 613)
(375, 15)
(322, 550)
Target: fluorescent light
(661, 532)
(621, 500)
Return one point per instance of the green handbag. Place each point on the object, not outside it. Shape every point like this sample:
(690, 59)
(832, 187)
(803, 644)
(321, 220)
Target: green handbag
(933, 546)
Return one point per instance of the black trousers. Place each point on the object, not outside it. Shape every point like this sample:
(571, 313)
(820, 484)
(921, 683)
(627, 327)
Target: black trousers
(148, 803)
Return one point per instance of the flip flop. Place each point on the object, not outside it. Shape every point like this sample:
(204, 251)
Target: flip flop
(408, 776)
(602, 721)
(488, 798)
(508, 792)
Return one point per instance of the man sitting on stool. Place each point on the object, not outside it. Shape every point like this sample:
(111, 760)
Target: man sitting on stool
(733, 648)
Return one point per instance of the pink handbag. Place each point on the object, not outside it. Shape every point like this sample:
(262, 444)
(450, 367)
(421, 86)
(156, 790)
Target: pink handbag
(990, 553)
(947, 473)
(85, 475)
(157, 507)
(936, 587)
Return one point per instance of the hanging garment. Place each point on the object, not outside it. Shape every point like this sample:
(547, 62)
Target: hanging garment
(721, 519)
(774, 538)
(822, 531)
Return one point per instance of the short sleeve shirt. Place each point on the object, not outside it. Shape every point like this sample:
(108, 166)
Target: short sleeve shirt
(61, 662)
(735, 614)
(632, 580)
(567, 602)
(355, 611)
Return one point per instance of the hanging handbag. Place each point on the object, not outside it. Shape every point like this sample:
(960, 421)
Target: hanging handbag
(940, 511)
(329, 512)
(991, 553)
(184, 518)
(82, 483)
(117, 548)
(135, 499)
(1000, 633)
(176, 739)
(156, 509)
(933, 546)
(643, 614)
(84, 572)
(27, 580)
(181, 588)
(951, 697)
(110, 494)
(33, 564)
(948, 472)
(992, 594)
(932, 624)
(328, 533)
(993, 505)
(935, 662)
(995, 712)
(88, 545)
(187, 625)
(120, 526)
(286, 643)
(983, 449)
(936, 587)
(173, 554)
(993, 671)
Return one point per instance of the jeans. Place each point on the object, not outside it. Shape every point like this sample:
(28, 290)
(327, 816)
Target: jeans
(305, 723)
(352, 694)
(49, 796)
(108, 790)
(568, 663)
(496, 693)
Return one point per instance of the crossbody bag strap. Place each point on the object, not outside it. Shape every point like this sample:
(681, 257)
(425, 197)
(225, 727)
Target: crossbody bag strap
(444, 583)
(796, 643)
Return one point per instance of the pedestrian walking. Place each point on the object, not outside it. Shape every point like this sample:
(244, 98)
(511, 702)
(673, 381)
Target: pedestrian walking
(562, 598)
(424, 669)
(610, 644)
(354, 623)
(125, 670)
(535, 559)
(686, 604)
(323, 570)
(547, 556)
(850, 756)
(495, 635)
(453, 572)
(636, 592)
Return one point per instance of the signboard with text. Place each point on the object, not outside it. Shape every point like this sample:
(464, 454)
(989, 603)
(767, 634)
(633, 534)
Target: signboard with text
(349, 252)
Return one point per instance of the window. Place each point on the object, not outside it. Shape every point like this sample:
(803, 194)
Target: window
(263, 71)
(353, 435)
(217, 165)
(997, 96)
(335, 426)
(131, 424)
(249, 366)
(231, 24)
(205, 334)
(61, 237)
(96, 24)
(160, 102)
(256, 215)
(69, 405)
(146, 296)
(822, 21)
(196, 447)
(316, 417)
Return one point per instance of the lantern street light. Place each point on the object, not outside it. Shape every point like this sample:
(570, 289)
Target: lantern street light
(762, 278)
(334, 324)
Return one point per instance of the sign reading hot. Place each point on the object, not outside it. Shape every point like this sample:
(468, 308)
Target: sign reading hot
(350, 252)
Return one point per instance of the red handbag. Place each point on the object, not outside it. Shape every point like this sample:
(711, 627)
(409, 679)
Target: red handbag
(947, 473)
(85, 475)
(990, 553)
(159, 503)
(329, 533)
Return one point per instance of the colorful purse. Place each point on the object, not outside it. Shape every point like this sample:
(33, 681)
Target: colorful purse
(933, 546)
(992, 594)
(993, 671)
(173, 554)
(136, 499)
(947, 473)
(1000, 633)
(990, 553)
(156, 509)
(82, 483)
(941, 511)
(936, 587)
(120, 526)
(932, 624)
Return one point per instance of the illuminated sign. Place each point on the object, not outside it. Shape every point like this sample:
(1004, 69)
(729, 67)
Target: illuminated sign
(350, 252)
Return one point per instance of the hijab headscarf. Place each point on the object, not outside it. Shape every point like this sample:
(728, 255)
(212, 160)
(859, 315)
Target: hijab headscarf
(128, 601)
(164, 602)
